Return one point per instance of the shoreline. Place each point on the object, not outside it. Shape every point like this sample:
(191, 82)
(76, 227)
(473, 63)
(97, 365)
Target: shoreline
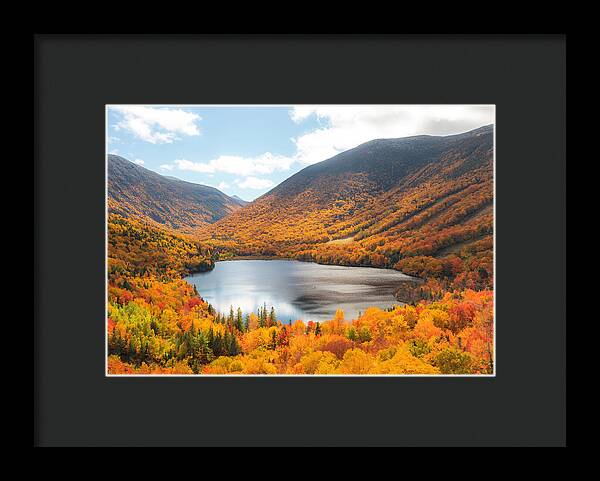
(280, 258)
(257, 258)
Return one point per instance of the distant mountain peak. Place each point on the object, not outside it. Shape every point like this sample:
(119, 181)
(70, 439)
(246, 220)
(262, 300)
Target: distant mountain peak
(135, 191)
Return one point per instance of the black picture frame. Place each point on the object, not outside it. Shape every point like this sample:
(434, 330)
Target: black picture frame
(76, 76)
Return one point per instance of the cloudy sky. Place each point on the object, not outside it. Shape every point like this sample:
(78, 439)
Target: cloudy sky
(248, 150)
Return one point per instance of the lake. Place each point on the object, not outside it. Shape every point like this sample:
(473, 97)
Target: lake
(297, 290)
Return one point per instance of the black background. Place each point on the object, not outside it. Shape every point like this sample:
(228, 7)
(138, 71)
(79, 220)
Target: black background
(524, 404)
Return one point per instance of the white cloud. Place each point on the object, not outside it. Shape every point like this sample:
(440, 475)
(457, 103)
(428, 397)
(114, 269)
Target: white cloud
(254, 183)
(185, 164)
(338, 128)
(138, 162)
(156, 125)
(266, 163)
(345, 127)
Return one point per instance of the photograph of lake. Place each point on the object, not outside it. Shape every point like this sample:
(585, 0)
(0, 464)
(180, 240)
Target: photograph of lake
(300, 240)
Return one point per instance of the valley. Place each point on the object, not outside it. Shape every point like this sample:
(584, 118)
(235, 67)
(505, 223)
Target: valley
(377, 206)
(420, 206)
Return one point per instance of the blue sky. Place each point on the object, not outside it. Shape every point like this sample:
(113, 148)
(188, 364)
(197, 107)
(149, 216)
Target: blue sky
(247, 150)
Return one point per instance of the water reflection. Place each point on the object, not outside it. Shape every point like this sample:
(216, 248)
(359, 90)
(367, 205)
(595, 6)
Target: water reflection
(297, 290)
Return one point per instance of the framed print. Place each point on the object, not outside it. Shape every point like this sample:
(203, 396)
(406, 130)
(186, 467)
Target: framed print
(285, 233)
(358, 241)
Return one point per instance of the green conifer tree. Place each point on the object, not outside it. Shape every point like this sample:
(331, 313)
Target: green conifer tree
(239, 321)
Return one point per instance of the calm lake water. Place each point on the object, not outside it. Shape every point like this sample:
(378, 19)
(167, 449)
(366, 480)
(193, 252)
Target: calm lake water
(297, 290)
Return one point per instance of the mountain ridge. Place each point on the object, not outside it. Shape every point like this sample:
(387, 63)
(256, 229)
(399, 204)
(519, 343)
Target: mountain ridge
(344, 160)
(134, 191)
(389, 200)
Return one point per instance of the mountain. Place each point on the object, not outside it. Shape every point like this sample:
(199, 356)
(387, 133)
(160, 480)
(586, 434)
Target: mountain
(136, 192)
(242, 201)
(136, 248)
(421, 204)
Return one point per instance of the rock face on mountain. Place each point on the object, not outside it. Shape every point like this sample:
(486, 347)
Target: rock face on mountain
(136, 192)
(386, 203)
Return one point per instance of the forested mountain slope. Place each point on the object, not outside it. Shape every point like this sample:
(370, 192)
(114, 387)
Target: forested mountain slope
(134, 191)
(136, 248)
(157, 323)
(421, 204)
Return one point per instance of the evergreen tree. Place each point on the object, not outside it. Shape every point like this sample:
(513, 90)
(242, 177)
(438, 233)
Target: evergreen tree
(218, 345)
(264, 315)
(200, 352)
(142, 351)
(239, 322)
(272, 317)
(210, 338)
(317, 329)
(232, 347)
(236, 349)
(131, 350)
(116, 344)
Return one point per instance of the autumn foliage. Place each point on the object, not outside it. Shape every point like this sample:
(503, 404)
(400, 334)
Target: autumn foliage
(138, 249)
(157, 327)
(433, 220)
(429, 219)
